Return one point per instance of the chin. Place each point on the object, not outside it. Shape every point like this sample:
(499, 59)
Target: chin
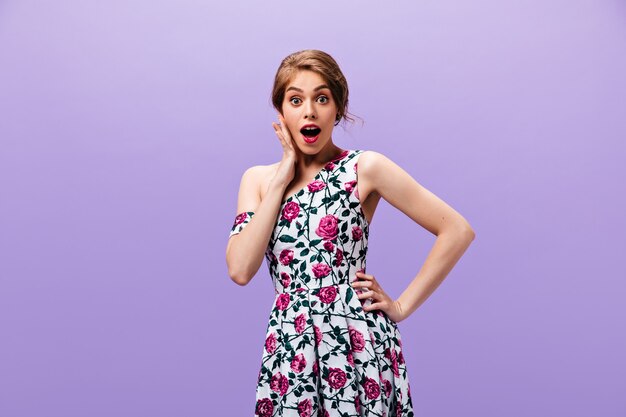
(305, 146)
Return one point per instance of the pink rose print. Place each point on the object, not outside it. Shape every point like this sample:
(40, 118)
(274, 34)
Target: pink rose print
(315, 368)
(305, 408)
(328, 245)
(298, 363)
(395, 369)
(327, 228)
(354, 166)
(264, 407)
(399, 404)
(357, 233)
(356, 339)
(329, 166)
(387, 386)
(327, 294)
(357, 404)
(316, 185)
(349, 186)
(391, 355)
(279, 383)
(282, 302)
(290, 211)
(270, 343)
(300, 323)
(350, 358)
(318, 335)
(320, 270)
(240, 218)
(400, 358)
(372, 389)
(336, 377)
(286, 279)
(338, 257)
(286, 256)
(300, 289)
(322, 413)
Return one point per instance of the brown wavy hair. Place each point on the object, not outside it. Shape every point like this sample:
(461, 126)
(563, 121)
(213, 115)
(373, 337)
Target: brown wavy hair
(320, 62)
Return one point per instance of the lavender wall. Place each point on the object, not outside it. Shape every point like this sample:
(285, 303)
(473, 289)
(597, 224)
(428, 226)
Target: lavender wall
(125, 127)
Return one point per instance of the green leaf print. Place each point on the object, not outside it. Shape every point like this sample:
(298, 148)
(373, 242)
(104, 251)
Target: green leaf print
(349, 295)
(324, 347)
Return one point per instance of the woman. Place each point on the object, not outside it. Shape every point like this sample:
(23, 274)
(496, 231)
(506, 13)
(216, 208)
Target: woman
(332, 344)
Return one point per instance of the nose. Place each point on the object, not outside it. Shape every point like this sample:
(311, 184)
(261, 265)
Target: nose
(309, 111)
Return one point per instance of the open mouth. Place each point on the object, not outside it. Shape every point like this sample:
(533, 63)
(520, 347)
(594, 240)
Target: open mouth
(310, 132)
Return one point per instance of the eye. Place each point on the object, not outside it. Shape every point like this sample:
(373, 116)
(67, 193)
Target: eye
(325, 98)
(292, 99)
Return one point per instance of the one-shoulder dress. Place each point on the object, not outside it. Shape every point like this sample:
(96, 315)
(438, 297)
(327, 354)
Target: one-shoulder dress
(324, 356)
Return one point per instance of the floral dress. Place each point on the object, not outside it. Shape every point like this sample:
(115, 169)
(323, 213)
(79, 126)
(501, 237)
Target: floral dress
(323, 354)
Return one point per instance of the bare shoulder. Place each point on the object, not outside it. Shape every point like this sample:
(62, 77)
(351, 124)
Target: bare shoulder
(401, 190)
(251, 175)
(372, 167)
(370, 161)
(249, 196)
(262, 175)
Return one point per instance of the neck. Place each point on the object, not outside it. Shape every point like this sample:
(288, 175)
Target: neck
(329, 152)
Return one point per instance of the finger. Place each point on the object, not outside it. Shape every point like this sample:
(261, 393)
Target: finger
(279, 133)
(368, 294)
(371, 307)
(284, 128)
(364, 285)
(365, 276)
(276, 129)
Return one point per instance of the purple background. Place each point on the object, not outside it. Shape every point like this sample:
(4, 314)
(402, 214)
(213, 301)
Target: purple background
(125, 127)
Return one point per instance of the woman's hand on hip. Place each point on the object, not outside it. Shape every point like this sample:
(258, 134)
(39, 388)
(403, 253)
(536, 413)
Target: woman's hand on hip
(380, 299)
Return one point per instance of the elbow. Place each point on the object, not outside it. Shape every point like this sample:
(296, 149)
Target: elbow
(238, 277)
(236, 271)
(463, 232)
(468, 234)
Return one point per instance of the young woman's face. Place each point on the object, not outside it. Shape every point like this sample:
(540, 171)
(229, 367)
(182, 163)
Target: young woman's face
(308, 101)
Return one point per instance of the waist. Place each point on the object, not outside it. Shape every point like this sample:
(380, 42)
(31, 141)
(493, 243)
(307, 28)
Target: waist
(306, 289)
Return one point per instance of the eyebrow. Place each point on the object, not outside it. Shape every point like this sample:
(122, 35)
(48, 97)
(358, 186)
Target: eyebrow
(316, 88)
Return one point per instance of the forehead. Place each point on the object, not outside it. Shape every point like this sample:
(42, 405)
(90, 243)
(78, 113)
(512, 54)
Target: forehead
(305, 80)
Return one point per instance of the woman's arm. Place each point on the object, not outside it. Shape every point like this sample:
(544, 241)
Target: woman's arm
(245, 250)
(454, 234)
